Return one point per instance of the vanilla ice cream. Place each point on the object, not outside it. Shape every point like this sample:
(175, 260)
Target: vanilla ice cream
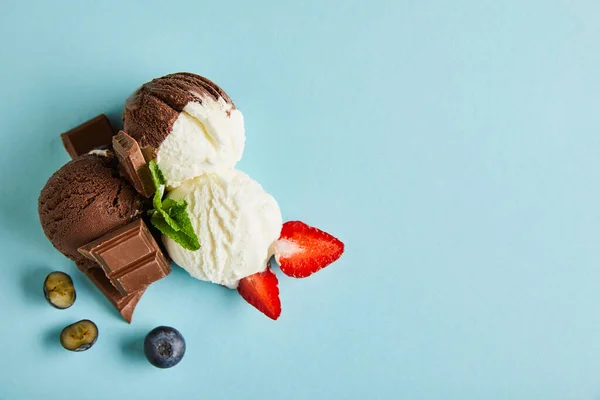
(188, 124)
(237, 224)
(205, 138)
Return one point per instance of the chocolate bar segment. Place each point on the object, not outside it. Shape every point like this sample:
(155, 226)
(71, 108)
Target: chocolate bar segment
(91, 135)
(133, 164)
(129, 256)
(124, 304)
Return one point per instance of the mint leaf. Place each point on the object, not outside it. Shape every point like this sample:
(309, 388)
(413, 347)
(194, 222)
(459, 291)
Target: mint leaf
(170, 217)
(168, 203)
(185, 241)
(181, 216)
(157, 199)
(157, 176)
(159, 184)
(170, 221)
(172, 211)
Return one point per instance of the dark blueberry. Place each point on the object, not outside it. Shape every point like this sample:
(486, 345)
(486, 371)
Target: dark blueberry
(164, 347)
(79, 336)
(59, 290)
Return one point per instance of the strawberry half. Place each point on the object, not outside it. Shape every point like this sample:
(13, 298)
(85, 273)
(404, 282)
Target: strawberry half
(303, 250)
(261, 291)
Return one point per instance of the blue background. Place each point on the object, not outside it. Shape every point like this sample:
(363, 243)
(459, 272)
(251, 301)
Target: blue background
(452, 145)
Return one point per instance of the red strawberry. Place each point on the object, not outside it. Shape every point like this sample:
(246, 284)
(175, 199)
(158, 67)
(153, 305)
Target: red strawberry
(261, 291)
(303, 250)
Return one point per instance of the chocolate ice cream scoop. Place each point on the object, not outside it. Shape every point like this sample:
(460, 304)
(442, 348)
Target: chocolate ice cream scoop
(84, 200)
(188, 123)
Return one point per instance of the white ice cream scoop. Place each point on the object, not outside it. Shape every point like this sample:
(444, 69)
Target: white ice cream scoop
(236, 222)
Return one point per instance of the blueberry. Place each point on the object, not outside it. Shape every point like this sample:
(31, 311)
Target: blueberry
(59, 290)
(79, 336)
(164, 347)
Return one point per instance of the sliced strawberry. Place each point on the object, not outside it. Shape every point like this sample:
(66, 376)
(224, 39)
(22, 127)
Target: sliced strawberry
(303, 250)
(261, 291)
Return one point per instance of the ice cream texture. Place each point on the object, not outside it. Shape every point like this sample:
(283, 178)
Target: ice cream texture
(196, 136)
(236, 222)
(189, 123)
(84, 200)
(204, 139)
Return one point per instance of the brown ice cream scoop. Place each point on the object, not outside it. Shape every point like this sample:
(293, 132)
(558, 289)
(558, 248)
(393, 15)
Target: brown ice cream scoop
(153, 108)
(84, 200)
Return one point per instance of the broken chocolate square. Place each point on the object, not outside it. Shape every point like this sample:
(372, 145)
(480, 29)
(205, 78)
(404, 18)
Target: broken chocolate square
(129, 256)
(125, 305)
(91, 135)
(133, 164)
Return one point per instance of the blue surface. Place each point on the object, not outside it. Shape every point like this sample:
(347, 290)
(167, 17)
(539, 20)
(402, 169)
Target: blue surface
(454, 147)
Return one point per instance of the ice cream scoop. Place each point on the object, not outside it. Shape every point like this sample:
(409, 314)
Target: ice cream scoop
(84, 200)
(217, 223)
(236, 222)
(188, 123)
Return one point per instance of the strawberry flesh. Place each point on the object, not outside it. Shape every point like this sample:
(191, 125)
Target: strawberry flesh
(303, 250)
(261, 291)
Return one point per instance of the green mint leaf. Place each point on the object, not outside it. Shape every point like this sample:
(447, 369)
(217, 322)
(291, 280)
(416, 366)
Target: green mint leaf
(170, 217)
(169, 204)
(157, 199)
(185, 241)
(169, 220)
(183, 219)
(177, 211)
(174, 212)
(157, 176)
(159, 184)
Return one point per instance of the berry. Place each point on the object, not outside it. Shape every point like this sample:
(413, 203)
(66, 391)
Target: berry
(164, 347)
(303, 250)
(262, 292)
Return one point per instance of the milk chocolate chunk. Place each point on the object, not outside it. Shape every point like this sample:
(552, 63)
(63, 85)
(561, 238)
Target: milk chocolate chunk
(133, 163)
(91, 135)
(129, 256)
(125, 305)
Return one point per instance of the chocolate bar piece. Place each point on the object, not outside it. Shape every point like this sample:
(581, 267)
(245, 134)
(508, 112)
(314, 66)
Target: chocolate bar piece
(91, 135)
(133, 164)
(129, 256)
(124, 304)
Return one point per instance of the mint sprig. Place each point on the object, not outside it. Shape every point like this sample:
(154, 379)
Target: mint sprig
(170, 217)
